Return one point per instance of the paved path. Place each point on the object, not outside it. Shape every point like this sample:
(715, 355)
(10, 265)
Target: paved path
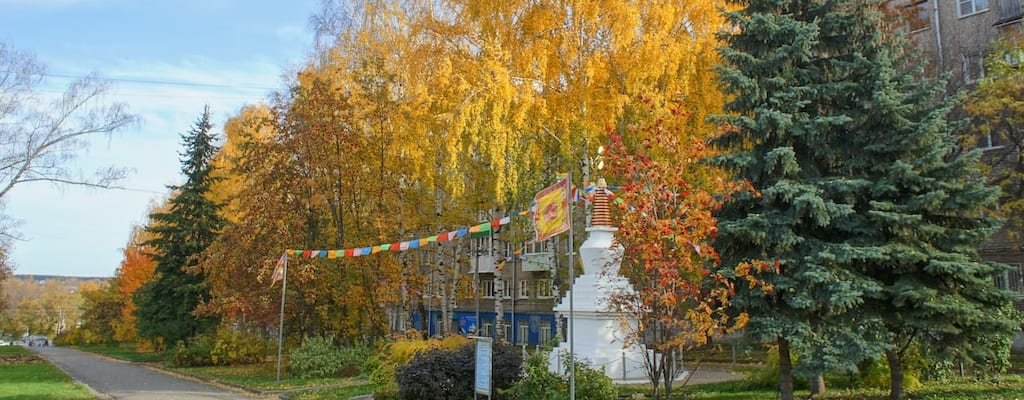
(123, 380)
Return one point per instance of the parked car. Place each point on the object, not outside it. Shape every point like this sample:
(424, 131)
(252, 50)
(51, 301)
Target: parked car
(38, 340)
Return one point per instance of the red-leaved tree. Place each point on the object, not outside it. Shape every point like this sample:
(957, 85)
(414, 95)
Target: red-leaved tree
(666, 227)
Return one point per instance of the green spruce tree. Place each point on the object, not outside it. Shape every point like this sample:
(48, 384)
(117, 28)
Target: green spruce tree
(926, 212)
(167, 303)
(873, 216)
(795, 69)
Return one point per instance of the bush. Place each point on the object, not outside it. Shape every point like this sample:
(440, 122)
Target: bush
(449, 374)
(354, 359)
(195, 354)
(317, 357)
(77, 336)
(539, 383)
(232, 347)
(769, 376)
(381, 365)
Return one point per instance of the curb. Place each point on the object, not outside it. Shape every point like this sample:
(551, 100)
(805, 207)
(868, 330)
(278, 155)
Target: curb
(208, 381)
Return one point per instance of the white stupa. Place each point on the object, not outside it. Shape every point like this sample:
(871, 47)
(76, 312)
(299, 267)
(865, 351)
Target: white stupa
(599, 336)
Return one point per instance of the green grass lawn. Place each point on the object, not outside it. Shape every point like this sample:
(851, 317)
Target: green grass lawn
(123, 352)
(1005, 387)
(999, 387)
(35, 381)
(262, 377)
(340, 393)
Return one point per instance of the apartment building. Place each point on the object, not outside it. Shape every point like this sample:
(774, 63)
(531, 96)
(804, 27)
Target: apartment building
(511, 290)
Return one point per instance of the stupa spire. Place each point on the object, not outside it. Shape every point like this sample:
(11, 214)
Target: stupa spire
(601, 213)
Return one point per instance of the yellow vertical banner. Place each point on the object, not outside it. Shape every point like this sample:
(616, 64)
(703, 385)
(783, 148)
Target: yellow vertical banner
(551, 216)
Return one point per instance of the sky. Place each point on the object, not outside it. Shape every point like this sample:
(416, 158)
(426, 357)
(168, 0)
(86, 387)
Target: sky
(166, 60)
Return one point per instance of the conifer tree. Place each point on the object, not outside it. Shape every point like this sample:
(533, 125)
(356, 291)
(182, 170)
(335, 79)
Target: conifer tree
(792, 68)
(871, 215)
(166, 304)
(925, 212)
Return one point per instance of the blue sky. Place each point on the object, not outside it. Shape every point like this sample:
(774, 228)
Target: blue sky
(166, 60)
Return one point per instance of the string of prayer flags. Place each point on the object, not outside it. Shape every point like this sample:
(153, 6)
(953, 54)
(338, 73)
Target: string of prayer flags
(482, 229)
(550, 209)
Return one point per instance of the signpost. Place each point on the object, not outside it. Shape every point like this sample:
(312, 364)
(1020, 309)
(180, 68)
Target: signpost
(482, 381)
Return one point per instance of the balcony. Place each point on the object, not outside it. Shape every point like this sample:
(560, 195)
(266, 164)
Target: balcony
(1010, 11)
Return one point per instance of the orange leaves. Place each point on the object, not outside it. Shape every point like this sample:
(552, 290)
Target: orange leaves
(668, 229)
(136, 269)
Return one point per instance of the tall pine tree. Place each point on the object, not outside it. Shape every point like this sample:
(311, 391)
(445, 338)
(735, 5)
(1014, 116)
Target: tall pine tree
(871, 215)
(166, 304)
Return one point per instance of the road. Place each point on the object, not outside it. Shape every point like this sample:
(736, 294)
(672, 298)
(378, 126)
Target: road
(123, 380)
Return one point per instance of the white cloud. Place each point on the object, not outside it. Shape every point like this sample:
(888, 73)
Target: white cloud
(76, 231)
(292, 33)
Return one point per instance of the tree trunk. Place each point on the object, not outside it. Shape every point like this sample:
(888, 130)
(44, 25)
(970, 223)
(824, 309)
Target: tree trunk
(785, 370)
(817, 384)
(895, 374)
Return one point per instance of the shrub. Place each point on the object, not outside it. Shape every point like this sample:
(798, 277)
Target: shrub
(449, 374)
(195, 354)
(539, 383)
(381, 365)
(768, 377)
(876, 374)
(232, 347)
(354, 359)
(317, 357)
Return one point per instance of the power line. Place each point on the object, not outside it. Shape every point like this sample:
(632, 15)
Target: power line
(164, 82)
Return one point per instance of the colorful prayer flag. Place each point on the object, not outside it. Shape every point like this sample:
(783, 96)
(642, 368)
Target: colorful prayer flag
(552, 214)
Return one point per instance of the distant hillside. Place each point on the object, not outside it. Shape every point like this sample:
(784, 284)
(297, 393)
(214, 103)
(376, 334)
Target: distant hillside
(61, 278)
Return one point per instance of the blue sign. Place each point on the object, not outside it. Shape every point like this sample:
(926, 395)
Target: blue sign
(467, 324)
(482, 383)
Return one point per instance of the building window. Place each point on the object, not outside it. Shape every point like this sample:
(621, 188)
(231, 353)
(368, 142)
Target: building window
(524, 289)
(1011, 280)
(544, 333)
(974, 68)
(991, 141)
(487, 328)
(523, 336)
(545, 289)
(487, 288)
(969, 7)
(916, 15)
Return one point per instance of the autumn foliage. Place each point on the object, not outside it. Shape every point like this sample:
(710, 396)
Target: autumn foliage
(136, 269)
(667, 228)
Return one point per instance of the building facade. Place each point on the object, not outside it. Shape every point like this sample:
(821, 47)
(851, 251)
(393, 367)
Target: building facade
(513, 289)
